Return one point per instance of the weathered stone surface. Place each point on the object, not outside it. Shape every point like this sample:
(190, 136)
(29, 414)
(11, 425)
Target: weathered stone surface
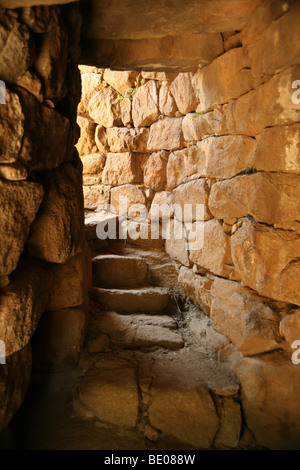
(59, 339)
(93, 164)
(86, 145)
(51, 61)
(167, 105)
(253, 248)
(47, 146)
(119, 271)
(194, 192)
(184, 93)
(196, 287)
(176, 244)
(145, 105)
(222, 157)
(196, 126)
(269, 392)
(122, 168)
(127, 140)
(22, 303)
(19, 204)
(268, 197)
(72, 280)
(17, 49)
(229, 411)
(132, 194)
(104, 108)
(91, 83)
(146, 299)
(96, 196)
(267, 59)
(215, 254)
(101, 139)
(14, 380)
(109, 393)
(37, 18)
(155, 170)
(269, 104)
(125, 108)
(164, 200)
(14, 172)
(231, 75)
(166, 134)
(290, 326)
(283, 143)
(11, 128)
(243, 318)
(178, 168)
(121, 81)
(31, 83)
(57, 232)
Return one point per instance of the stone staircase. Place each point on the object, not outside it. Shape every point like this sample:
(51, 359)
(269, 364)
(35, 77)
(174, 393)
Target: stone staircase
(144, 372)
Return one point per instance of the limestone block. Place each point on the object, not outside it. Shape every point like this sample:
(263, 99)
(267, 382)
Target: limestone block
(125, 107)
(166, 134)
(91, 84)
(196, 126)
(72, 280)
(283, 143)
(11, 128)
(176, 244)
(133, 195)
(184, 92)
(101, 139)
(145, 105)
(269, 197)
(17, 48)
(22, 303)
(196, 287)
(37, 18)
(93, 164)
(269, 391)
(122, 168)
(96, 196)
(86, 145)
(193, 193)
(120, 80)
(104, 108)
(13, 172)
(167, 105)
(214, 256)
(59, 339)
(178, 168)
(19, 202)
(122, 139)
(155, 170)
(247, 321)
(57, 232)
(267, 260)
(31, 83)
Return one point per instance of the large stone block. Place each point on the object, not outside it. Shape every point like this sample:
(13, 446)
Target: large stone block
(122, 168)
(132, 195)
(121, 139)
(196, 126)
(104, 108)
(193, 193)
(86, 145)
(155, 171)
(178, 168)
(283, 143)
(93, 164)
(166, 134)
(182, 88)
(222, 157)
(270, 388)
(120, 80)
(11, 128)
(268, 197)
(196, 287)
(57, 232)
(19, 202)
(167, 105)
(230, 75)
(214, 256)
(290, 326)
(17, 48)
(96, 196)
(176, 242)
(91, 84)
(245, 319)
(145, 105)
(22, 303)
(267, 260)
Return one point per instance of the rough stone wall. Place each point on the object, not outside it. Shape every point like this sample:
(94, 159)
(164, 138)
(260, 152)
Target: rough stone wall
(43, 273)
(226, 136)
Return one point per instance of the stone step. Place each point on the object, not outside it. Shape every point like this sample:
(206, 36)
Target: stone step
(138, 331)
(144, 299)
(115, 271)
(183, 394)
